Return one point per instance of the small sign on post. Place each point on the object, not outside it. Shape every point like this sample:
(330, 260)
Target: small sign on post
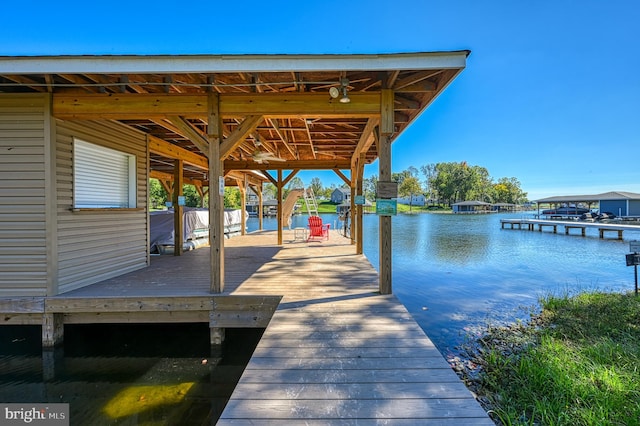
(386, 207)
(387, 190)
(633, 259)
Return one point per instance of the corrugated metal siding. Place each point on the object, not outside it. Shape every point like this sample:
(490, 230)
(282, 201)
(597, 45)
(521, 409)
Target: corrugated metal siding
(23, 254)
(634, 208)
(617, 207)
(94, 246)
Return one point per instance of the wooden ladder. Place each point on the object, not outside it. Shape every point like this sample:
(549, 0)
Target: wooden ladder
(310, 202)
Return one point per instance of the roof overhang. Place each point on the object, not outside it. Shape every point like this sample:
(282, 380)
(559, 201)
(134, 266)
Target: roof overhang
(590, 198)
(276, 110)
(180, 64)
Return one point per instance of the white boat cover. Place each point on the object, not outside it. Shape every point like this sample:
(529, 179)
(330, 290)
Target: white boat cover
(195, 225)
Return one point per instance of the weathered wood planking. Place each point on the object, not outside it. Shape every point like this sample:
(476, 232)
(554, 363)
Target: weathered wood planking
(338, 352)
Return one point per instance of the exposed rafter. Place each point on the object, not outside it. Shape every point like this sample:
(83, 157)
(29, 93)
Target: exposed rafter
(166, 97)
(192, 133)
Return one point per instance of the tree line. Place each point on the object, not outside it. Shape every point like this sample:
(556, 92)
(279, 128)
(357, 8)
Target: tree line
(449, 183)
(440, 183)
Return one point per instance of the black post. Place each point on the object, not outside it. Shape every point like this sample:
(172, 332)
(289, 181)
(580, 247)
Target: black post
(635, 273)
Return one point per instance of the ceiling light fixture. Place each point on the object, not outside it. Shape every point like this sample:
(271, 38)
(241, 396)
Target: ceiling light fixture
(345, 97)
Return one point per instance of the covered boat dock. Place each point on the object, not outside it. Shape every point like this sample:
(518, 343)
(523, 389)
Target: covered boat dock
(82, 135)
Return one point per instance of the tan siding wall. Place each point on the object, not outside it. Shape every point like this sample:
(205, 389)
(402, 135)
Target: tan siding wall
(94, 246)
(23, 254)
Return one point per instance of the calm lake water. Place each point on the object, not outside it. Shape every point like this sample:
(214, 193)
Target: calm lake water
(456, 272)
(453, 273)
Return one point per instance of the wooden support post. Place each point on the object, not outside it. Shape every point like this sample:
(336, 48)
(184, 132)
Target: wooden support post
(385, 264)
(178, 223)
(52, 359)
(260, 207)
(243, 210)
(352, 209)
(384, 153)
(242, 187)
(216, 335)
(216, 202)
(601, 231)
(359, 209)
(52, 330)
(568, 228)
(279, 212)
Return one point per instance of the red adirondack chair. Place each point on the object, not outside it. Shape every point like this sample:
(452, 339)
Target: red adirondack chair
(317, 229)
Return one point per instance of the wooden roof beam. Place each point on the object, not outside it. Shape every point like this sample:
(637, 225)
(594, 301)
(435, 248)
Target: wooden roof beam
(366, 140)
(169, 150)
(132, 106)
(165, 177)
(414, 78)
(282, 135)
(191, 133)
(26, 80)
(342, 176)
(313, 150)
(251, 179)
(289, 165)
(239, 135)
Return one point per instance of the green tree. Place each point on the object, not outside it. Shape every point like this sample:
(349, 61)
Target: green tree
(269, 191)
(316, 186)
(480, 184)
(409, 187)
(459, 181)
(232, 198)
(508, 190)
(191, 196)
(400, 177)
(157, 195)
(370, 187)
(295, 183)
(429, 173)
(444, 181)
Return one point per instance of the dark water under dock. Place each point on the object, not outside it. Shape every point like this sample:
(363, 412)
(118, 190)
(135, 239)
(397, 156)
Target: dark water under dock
(156, 374)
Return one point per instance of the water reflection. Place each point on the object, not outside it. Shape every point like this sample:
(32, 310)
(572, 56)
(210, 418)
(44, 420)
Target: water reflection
(126, 374)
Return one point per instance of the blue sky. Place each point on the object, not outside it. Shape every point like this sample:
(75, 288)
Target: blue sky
(550, 95)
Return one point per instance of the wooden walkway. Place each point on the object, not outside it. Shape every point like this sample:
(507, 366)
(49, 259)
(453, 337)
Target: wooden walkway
(603, 228)
(337, 352)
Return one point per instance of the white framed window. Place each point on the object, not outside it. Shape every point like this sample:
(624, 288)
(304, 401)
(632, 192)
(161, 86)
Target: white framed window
(103, 178)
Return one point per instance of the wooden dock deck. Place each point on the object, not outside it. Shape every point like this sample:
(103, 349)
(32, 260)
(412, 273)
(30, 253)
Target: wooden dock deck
(338, 352)
(335, 351)
(603, 228)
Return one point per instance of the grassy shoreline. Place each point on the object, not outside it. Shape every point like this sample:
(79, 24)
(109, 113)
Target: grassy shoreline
(577, 362)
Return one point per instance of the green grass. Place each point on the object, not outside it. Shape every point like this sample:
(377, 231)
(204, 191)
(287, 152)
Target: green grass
(325, 207)
(329, 207)
(580, 365)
